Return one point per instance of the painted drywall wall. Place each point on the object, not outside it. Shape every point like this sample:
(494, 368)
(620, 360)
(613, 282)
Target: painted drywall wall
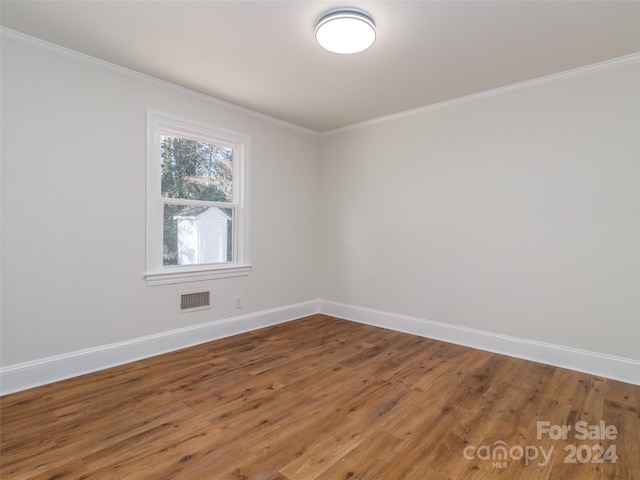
(517, 214)
(73, 208)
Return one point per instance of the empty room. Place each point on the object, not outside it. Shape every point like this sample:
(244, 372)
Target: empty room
(312, 240)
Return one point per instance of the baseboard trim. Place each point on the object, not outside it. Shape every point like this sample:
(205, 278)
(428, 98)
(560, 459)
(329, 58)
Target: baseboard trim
(15, 378)
(616, 368)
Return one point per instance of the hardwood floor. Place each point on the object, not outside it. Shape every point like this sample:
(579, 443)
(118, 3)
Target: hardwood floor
(322, 398)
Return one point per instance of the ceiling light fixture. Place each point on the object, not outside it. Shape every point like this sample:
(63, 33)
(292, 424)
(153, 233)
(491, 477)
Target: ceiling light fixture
(346, 30)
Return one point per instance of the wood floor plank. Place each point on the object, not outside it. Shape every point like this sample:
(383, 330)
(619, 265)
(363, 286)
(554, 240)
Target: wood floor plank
(316, 399)
(329, 447)
(151, 447)
(73, 469)
(366, 460)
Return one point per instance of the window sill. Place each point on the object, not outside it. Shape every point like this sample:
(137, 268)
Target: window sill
(167, 278)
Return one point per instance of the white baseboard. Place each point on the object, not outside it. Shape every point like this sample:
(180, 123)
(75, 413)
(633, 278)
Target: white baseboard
(15, 378)
(617, 368)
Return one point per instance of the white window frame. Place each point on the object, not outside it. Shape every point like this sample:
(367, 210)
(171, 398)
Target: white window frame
(156, 272)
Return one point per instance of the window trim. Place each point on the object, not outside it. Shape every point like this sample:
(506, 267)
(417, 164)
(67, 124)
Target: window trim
(158, 274)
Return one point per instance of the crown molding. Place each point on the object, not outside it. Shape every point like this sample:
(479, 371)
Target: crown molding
(127, 72)
(505, 90)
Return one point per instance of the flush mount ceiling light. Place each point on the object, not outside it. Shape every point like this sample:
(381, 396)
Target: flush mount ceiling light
(346, 30)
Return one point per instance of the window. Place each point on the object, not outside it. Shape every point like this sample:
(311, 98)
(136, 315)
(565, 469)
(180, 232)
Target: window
(196, 201)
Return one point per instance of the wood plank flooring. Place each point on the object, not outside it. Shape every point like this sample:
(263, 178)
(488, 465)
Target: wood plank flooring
(322, 399)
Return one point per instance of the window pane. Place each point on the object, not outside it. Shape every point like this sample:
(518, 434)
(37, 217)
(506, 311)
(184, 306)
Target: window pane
(197, 235)
(195, 170)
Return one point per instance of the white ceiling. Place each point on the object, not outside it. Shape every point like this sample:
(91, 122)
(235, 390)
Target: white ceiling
(262, 54)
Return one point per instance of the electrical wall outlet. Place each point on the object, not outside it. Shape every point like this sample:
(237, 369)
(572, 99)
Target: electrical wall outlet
(238, 303)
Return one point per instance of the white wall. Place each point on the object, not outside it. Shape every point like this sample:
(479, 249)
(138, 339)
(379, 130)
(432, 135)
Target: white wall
(73, 209)
(517, 215)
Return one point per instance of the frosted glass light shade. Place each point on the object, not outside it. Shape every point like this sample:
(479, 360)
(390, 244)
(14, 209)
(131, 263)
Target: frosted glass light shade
(346, 31)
